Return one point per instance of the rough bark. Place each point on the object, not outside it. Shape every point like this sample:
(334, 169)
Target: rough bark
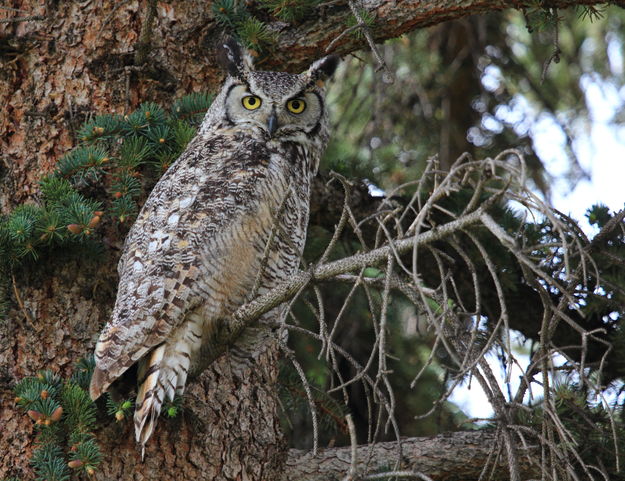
(78, 60)
(430, 456)
(60, 306)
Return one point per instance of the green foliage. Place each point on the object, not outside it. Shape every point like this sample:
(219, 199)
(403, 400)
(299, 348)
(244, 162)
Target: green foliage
(119, 409)
(64, 417)
(296, 405)
(55, 189)
(254, 34)
(119, 151)
(229, 13)
(84, 164)
(135, 150)
(80, 410)
(123, 208)
(482, 97)
(594, 13)
(586, 422)
(171, 409)
(126, 184)
(538, 17)
(249, 31)
(148, 115)
(607, 301)
(82, 372)
(101, 128)
(368, 19)
(49, 464)
(598, 215)
(234, 16)
(30, 228)
(290, 10)
(106, 175)
(190, 109)
(183, 133)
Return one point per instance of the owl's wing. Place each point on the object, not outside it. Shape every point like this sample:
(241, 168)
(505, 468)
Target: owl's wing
(145, 314)
(161, 266)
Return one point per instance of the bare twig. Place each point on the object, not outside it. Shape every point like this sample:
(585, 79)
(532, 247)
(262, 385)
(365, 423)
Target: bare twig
(20, 303)
(388, 76)
(351, 475)
(309, 396)
(555, 55)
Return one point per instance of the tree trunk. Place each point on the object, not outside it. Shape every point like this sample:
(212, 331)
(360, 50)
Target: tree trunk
(77, 59)
(228, 429)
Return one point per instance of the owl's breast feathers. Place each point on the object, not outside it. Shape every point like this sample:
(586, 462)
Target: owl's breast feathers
(197, 243)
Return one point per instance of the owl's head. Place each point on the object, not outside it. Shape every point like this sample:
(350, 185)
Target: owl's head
(279, 105)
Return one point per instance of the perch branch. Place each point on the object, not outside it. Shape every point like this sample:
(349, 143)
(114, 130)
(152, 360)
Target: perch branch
(423, 458)
(251, 311)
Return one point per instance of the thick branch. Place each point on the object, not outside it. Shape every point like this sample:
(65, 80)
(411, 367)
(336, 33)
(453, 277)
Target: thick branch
(393, 18)
(450, 457)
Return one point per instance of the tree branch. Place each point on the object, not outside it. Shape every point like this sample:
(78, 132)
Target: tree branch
(393, 18)
(450, 457)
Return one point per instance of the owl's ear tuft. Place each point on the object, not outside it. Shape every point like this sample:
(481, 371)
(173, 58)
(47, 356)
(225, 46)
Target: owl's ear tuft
(234, 59)
(320, 70)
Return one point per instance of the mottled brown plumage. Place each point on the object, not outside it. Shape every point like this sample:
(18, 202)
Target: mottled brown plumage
(239, 192)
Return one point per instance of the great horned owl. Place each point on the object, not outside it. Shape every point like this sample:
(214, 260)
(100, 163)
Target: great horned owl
(228, 218)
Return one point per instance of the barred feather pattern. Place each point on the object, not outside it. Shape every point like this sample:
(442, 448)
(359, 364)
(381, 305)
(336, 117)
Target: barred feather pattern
(194, 254)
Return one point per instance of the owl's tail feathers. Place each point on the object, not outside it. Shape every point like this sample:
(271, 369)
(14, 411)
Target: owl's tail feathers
(163, 374)
(150, 397)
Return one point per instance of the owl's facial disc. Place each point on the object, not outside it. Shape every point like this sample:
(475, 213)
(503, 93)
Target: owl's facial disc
(277, 116)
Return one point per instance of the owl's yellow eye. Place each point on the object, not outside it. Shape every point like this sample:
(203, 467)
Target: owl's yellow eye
(296, 106)
(251, 102)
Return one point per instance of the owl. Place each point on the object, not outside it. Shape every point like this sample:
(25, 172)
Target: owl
(226, 221)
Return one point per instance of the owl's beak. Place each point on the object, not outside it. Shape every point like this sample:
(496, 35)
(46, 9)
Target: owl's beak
(272, 123)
